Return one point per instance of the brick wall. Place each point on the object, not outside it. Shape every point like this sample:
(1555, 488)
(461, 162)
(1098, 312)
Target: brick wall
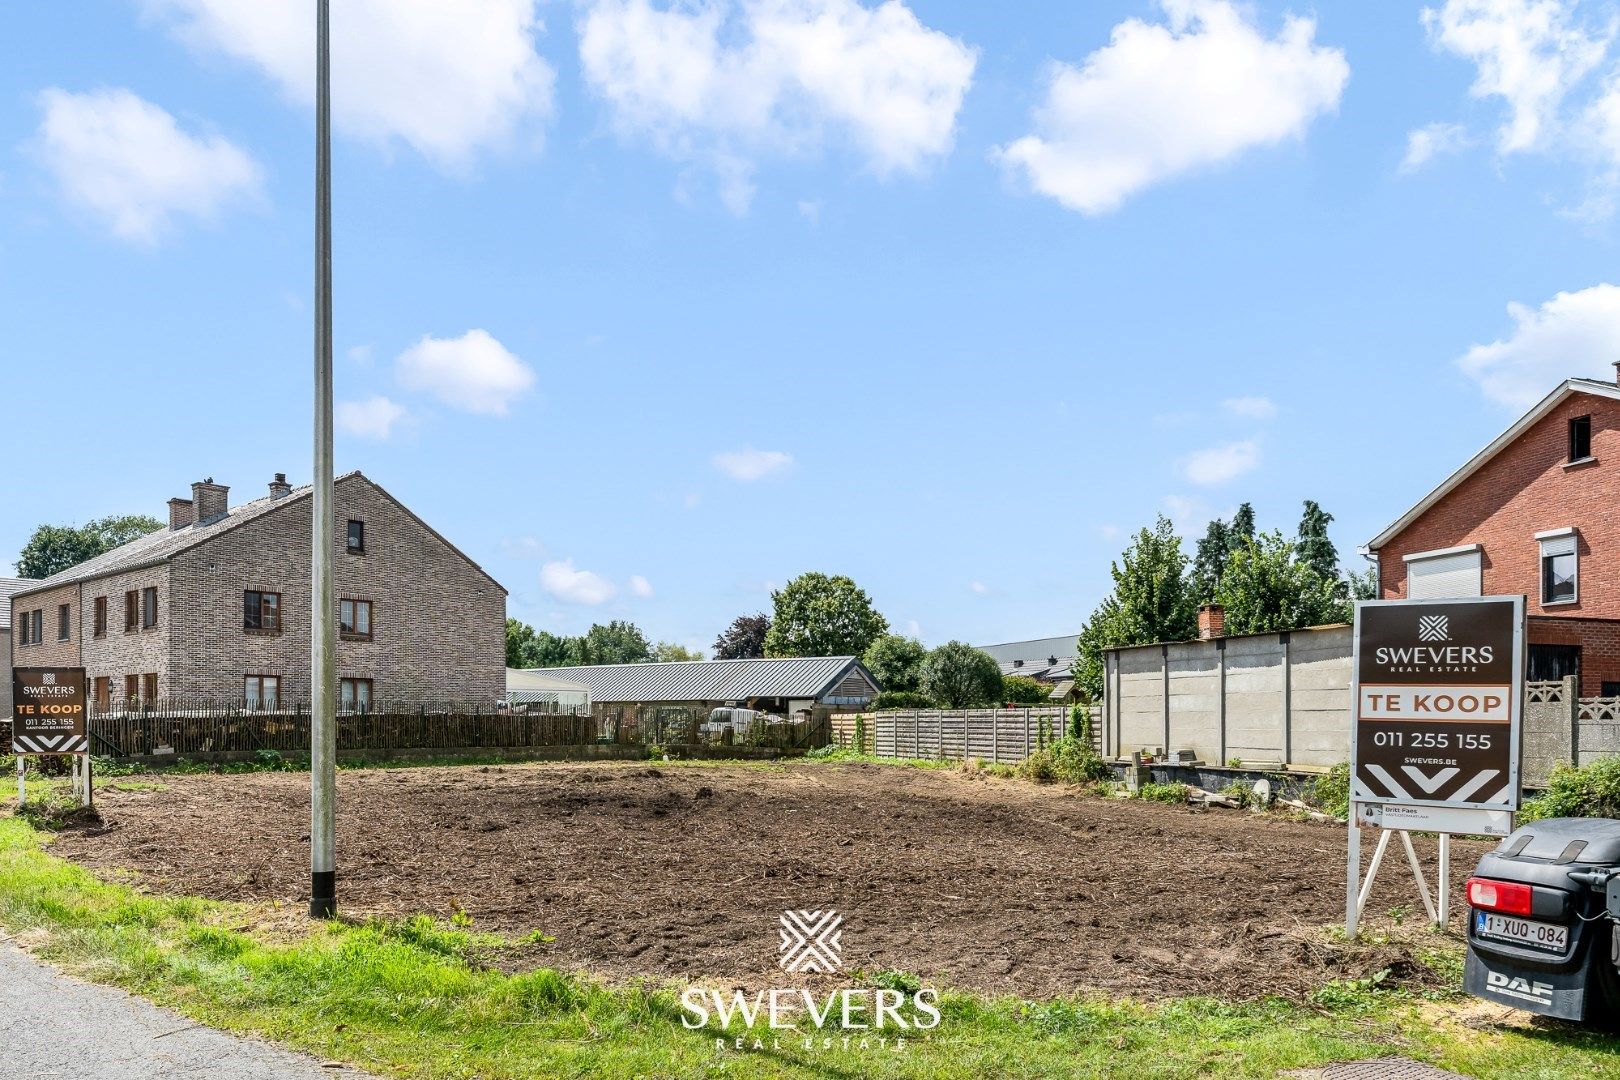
(438, 623)
(52, 652)
(1523, 490)
(120, 653)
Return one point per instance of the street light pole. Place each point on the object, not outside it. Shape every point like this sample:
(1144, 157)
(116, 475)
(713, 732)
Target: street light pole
(323, 681)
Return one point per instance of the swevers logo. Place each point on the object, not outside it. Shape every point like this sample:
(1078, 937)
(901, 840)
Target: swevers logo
(810, 941)
(1434, 628)
(853, 1018)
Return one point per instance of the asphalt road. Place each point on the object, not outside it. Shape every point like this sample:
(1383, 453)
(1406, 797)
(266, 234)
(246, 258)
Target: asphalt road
(57, 1026)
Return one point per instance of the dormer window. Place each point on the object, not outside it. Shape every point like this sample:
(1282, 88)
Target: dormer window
(1580, 438)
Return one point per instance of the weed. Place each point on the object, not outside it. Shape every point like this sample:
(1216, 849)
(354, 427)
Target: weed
(1589, 791)
(1175, 794)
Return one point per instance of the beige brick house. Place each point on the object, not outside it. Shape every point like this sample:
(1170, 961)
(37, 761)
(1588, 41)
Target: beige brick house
(215, 608)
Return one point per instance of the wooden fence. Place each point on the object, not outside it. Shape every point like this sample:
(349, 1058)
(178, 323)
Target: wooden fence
(996, 736)
(198, 730)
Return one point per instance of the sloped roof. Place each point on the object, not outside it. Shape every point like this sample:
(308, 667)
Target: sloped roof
(712, 680)
(1496, 446)
(164, 544)
(1039, 658)
(541, 679)
(8, 586)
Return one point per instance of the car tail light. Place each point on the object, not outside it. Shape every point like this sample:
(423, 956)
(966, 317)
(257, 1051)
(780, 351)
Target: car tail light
(1508, 897)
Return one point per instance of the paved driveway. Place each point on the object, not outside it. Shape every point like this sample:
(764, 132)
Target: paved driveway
(57, 1026)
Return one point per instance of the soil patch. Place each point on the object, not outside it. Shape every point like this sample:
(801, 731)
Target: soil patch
(994, 885)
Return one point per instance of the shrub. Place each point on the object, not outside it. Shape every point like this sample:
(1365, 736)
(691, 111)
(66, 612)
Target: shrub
(1069, 760)
(1165, 793)
(1590, 791)
(1331, 791)
(902, 699)
(1023, 690)
(959, 676)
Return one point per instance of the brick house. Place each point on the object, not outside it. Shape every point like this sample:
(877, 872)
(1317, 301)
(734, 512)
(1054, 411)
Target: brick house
(1537, 512)
(216, 607)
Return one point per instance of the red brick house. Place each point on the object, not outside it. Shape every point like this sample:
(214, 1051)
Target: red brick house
(1536, 512)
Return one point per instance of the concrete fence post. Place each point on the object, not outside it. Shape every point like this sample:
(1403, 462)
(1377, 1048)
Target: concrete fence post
(1164, 671)
(1220, 657)
(1572, 708)
(1286, 639)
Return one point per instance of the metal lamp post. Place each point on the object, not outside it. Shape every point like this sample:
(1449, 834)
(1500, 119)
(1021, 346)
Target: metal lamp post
(323, 635)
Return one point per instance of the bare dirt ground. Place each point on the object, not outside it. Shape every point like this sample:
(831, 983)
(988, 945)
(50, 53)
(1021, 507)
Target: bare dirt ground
(671, 871)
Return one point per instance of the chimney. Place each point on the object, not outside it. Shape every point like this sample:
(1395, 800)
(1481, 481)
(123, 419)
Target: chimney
(210, 500)
(279, 488)
(1211, 622)
(1617, 371)
(180, 513)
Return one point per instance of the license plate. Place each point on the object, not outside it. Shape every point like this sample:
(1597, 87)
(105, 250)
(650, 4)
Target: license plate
(1537, 935)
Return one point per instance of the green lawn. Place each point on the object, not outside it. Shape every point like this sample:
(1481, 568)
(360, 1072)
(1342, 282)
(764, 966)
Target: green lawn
(411, 999)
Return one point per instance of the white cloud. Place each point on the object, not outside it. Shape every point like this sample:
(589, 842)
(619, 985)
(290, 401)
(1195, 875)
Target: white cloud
(1187, 512)
(1108, 531)
(640, 586)
(1574, 333)
(1218, 464)
(446, 77)
(373, 418)
(1530, 53)
(725, 83)
(979, 587)
(473, 372)
(1252, 408)
(129, 163)
(359, 354)
(574, 586)
(1163, 99)
(751, 464)
(1430, 141)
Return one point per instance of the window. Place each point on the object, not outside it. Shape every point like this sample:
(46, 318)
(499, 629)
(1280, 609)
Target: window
(32, 628)
(1549, 663)
(102, 688)
(101, 616)
(149, 687)
(354, 618)
(1611, 689)
(64, 622)
(357, 537)
(261, 611)
(1580, 438)
(356, 695)
(1444, 573)
(132, 688)
(132, 603)
(1559, 569)
(149, 607)
(262, 691)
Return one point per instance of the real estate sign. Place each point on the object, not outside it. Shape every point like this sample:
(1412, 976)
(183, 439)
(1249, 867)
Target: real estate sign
(47, 711)
(1438, 690)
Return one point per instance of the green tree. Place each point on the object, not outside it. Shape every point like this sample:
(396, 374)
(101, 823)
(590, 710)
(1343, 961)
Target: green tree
(519, 642)
(744, 639)
(1210, 561)
(1313, 548)
(959, 676)
(1153, 600)
(896, 662)
(1023, 690)
(1363, 586)
(55, 548)
(667, 652)
(1242, 527)
(619, 642)
(1267, 588)
(821, 615)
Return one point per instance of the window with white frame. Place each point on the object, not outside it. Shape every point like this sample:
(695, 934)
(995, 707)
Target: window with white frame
(1560, 567)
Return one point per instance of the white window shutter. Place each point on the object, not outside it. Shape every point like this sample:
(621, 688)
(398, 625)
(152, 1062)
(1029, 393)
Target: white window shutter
(1444, 576)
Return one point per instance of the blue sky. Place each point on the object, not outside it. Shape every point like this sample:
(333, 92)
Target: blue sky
(650, 310)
